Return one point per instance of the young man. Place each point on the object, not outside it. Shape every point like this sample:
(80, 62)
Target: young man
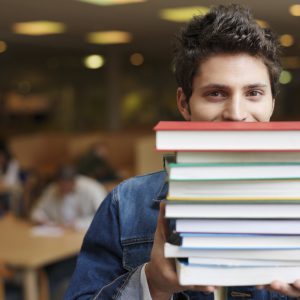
(227, 69)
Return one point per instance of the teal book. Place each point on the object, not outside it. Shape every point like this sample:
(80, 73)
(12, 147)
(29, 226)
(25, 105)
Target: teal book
(231, 171)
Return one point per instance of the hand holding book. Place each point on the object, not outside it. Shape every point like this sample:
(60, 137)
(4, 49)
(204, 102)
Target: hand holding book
(291, 290)
(160, 271)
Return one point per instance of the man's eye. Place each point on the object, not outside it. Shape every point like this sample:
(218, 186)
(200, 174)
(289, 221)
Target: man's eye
(216, 94)
(254, 93)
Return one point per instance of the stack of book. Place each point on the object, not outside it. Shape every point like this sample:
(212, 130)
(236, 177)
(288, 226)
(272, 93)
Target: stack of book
(234, 201)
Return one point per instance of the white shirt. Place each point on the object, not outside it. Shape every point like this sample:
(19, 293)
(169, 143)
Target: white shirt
(144, 284)
(77, 208)
(145, 287)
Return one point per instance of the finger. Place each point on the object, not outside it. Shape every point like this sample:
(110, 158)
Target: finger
(162, 220)
(285, 288)
(202, 288)
(159, 232)
(296, 284)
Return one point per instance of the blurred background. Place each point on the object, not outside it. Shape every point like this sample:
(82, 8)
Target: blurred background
(76, 75)
(77, 66)
(80, 66)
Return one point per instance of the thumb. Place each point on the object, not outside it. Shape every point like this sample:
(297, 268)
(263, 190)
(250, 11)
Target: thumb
(162, 222)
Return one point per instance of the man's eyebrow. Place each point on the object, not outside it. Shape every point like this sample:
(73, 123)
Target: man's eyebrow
(215, 85)
(256, 85)
(223, 86)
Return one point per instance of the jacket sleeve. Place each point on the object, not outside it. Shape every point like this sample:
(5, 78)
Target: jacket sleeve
(99, 273)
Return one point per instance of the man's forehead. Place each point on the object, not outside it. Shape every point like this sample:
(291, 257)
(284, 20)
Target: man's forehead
(232, 69)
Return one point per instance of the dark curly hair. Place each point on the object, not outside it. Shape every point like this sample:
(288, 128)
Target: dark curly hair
(225, 29)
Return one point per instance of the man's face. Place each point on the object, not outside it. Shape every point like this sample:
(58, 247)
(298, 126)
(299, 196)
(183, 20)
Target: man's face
(229, 87)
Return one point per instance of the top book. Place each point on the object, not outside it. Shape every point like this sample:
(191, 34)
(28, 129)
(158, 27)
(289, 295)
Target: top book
(228, 136)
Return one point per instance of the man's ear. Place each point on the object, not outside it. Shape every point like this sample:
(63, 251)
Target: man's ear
(183, 105)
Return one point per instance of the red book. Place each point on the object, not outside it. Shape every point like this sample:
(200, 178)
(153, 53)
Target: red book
(228, 136)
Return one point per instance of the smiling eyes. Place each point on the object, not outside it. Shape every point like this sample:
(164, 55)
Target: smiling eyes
(255, 93)
(219, 95)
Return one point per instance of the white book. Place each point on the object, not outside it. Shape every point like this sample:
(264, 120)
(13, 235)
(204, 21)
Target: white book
(252, 226)
(232, 210)
(232, 171)
(172, 251)
(237, 157)
(239, 241)
(228, 140)
(234, 189)
(234, 276)
(233, 262)
(228, 136)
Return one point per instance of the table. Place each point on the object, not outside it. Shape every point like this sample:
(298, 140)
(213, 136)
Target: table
(20, 249)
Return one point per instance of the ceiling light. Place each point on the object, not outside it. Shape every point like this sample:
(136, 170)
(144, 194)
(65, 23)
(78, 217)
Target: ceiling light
(285, 77)
(109, 37)
(111, 2)
(295, 10)
(286, 40)
(262, 23)
(182, 14)
(93, 61)
(39, 28)
(137, 59)
(291, 62)
(3, 46)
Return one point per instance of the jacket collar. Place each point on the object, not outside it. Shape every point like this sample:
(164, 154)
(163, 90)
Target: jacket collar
(163, 189)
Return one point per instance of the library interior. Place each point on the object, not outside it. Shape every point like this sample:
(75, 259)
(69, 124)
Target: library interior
(83, 84)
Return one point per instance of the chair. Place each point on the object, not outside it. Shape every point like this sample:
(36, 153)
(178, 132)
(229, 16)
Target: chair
(5, 273)
(43, 286)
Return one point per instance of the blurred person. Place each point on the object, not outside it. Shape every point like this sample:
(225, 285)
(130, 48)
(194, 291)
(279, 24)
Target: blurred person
(227, 69)
(70, 201)
(94, 163)
(10, 179)
(33, 186)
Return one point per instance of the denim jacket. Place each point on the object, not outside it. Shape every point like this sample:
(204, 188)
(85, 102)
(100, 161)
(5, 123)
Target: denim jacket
(119, 242)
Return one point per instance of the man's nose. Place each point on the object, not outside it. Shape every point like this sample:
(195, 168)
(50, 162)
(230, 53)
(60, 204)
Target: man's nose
(235, 109)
